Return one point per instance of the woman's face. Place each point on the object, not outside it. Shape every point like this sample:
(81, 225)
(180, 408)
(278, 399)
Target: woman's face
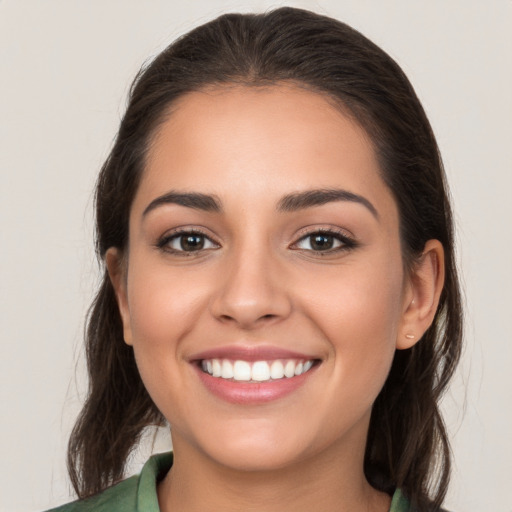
(263, 243)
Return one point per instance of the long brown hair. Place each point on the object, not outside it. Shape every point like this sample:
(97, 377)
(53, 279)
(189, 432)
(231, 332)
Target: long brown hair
(407, 443)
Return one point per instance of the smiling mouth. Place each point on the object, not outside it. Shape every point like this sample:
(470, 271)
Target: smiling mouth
(256, 371)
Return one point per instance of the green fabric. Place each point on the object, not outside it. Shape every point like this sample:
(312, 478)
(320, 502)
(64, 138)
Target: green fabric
(138, 493)
(135, 494)
(399, 503)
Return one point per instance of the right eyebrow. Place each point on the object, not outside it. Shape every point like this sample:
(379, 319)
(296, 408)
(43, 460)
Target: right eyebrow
(195, 200)
(317, 197)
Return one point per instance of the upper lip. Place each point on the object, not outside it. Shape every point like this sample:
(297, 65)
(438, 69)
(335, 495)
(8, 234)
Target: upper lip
(250, 353)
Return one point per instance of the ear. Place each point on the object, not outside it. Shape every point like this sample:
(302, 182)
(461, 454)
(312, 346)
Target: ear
(421, 298)
(116, 267)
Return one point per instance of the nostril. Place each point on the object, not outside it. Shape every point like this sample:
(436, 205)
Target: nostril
(249, 306)
(268, 316)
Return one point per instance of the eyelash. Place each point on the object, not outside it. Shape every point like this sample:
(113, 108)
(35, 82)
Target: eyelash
(346, 242)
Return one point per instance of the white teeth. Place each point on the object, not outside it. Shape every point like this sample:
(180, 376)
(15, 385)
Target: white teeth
(260, 371)
(289, 369)
(227, 369)
(242, 370)
(277, 370)
(216, 368)
(257, 371)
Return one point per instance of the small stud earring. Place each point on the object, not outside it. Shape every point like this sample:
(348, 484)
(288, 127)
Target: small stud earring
(409, 336)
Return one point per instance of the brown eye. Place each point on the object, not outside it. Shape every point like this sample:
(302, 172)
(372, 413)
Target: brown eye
(186, 242)
(191, 242)
(321, 242)
(324, 241)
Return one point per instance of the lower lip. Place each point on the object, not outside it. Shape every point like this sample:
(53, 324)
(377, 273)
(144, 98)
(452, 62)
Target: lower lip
(251, 393)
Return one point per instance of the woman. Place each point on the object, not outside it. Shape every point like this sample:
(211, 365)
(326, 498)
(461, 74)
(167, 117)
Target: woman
(279, 282)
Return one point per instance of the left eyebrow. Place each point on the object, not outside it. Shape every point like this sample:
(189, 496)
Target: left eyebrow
(193, 200)
(318, 197)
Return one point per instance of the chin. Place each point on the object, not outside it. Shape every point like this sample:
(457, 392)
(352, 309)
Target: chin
(254, 450)
(256, 458)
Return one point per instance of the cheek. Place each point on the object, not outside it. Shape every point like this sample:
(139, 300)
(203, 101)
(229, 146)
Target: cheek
(362, 299)
(163, 304)
(164, 307)
(359, 312)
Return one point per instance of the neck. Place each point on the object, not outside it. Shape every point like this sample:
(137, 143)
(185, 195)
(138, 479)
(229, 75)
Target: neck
(326, 482)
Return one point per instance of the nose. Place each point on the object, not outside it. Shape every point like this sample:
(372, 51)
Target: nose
(252, 291)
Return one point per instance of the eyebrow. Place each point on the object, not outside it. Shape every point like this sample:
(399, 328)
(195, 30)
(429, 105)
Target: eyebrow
(195, 200)
(289, 203)
(309, 198)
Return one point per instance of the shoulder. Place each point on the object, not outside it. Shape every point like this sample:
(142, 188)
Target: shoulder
(135, 493)
(400, 503)
(120, 497)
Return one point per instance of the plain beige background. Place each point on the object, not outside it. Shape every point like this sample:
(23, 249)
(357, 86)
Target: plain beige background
(65, 70)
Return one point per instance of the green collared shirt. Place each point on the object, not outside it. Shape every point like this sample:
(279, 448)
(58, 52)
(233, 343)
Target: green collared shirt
(138, 493)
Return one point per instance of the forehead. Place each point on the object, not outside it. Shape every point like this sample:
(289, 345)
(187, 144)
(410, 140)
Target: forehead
(280, 119)
(255, 141)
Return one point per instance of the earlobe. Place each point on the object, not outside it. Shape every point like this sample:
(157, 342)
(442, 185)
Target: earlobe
(425, 286)
(116, 268)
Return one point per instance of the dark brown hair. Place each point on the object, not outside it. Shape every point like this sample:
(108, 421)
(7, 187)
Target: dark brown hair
(407, 443)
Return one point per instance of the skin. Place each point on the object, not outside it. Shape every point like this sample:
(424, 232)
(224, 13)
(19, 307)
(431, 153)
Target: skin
(258, 281)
